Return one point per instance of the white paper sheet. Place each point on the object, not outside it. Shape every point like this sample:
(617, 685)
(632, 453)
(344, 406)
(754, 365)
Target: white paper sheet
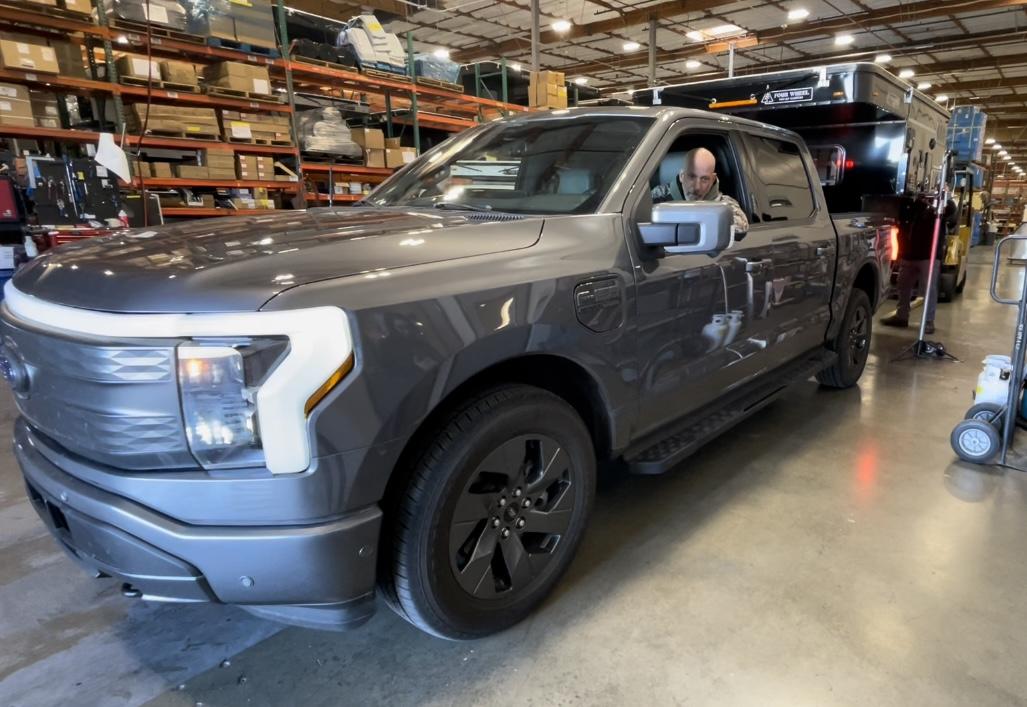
(109, 155)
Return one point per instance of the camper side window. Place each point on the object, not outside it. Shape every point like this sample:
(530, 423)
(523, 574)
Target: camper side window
(785, 193)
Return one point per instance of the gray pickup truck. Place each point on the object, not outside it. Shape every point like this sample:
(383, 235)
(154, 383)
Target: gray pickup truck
(289, 412)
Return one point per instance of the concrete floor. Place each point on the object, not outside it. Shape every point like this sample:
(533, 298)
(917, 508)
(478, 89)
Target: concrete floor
(827, 552)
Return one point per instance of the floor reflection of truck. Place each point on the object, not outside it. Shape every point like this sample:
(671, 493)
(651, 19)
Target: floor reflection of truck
(877, 142)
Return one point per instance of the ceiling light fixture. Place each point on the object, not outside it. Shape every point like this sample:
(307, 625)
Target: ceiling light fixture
(996, 146)
(696, 36)
(990, 141)
(882, 58)
(581, 81)
(799, 13)
(561, 26)
(632, 46)
(516, 67)
(1002, 153)
(907, 74)
(923, 85)
(1007, 158)
(441, 53)
(941, 98)
(844, 40)
(692, 64)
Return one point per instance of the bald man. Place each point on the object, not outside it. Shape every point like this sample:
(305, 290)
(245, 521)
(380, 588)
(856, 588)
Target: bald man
(697, 181)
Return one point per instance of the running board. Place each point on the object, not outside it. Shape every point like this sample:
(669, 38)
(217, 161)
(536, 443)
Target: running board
(698, 428)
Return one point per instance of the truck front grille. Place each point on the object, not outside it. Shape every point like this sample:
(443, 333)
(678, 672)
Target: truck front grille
(114, 402)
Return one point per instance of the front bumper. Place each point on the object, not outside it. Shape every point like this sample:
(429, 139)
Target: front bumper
(320, 575)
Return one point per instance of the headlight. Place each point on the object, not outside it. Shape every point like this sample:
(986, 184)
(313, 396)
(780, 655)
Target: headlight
(218, 383)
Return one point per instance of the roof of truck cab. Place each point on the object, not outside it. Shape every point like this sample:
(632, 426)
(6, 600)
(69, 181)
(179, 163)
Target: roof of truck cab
(669, 113)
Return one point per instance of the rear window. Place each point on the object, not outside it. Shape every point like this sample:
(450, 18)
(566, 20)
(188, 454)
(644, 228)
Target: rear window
(786, 194)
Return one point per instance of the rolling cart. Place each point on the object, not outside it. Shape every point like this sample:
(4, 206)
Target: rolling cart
(988, 429)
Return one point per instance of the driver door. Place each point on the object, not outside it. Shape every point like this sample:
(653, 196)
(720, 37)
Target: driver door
(701, 318)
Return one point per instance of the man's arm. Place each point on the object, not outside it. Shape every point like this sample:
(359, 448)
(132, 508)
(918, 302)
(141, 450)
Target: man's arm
(741, 221)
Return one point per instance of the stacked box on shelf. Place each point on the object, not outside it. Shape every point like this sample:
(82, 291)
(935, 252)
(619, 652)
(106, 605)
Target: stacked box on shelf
(69, 59)
(20, 52)
(396, 155)
(547, 89)
(191, 171)
(15, 106)
(178, 72)
(248, 22)
(237, 76)
(166, 13)
(161, 170)
(176, 121)
(220, 165)
(372, 141)
(258, 128)
(257, 167)
(44, 109)
(135, 66)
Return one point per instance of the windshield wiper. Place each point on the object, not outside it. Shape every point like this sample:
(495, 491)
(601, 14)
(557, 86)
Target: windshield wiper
(453, 206)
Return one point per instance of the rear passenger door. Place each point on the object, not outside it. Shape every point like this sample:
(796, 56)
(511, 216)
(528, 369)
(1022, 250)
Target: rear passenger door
(801, 237)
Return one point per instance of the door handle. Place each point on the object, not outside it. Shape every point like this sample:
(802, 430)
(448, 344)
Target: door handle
(756, 265)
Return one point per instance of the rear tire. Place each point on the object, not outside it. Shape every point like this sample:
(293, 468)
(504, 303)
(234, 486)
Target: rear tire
(494, 510)
(852, 344)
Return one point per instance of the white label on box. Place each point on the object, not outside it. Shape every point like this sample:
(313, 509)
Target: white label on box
(9, 91)
(23, 48)
(6, 106)
(157, 13)
(31, 77)
(172, 94)
(141, 67)
(6, 258)
(101, 172)
(261, 86)
(241, 130)
(48, 54)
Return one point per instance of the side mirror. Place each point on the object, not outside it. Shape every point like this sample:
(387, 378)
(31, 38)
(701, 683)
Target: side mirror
(689, 227)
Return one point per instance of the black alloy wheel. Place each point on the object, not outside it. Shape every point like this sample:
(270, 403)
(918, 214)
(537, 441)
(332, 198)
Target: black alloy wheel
(511, 516)
(492, 513)
(852, 344)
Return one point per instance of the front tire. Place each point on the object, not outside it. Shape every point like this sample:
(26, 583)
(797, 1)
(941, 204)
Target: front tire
(492, 515)
(852, 344)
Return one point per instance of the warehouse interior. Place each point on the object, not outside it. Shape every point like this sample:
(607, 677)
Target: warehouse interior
(833, 545)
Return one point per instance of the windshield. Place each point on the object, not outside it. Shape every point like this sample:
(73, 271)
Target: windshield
(557, 166)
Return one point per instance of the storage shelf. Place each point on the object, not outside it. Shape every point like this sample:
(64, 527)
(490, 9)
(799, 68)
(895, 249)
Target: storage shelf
(174, 182)
(205, 212)
(353, 79)
(348, 169)
(337, 199)
(201, 99)
(17, 16)
(173, 143)
(173, 47)
(38, 78)
(434, 120)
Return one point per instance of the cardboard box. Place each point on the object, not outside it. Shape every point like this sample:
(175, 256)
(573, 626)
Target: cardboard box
(239, 77)
(161, 170)
(167, 13)
(191, 171)
(15, 53)
(374, 158)
(83, 6)
(392, 143)
(220, 26)
(52, 3)
(409, 155)
(368, 138)
(69, 59)
(15, 108)
(137, 67)
(394, 158)
(44, 109)
(178, 72)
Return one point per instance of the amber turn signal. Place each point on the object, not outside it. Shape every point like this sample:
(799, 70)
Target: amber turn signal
(327, 387)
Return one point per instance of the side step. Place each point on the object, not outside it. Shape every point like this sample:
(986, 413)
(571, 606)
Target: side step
(657, 456)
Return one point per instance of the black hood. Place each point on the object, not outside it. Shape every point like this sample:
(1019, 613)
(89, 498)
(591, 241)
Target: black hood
(239, 263)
